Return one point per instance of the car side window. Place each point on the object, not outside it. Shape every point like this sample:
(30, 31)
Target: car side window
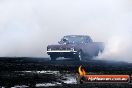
(88, 40)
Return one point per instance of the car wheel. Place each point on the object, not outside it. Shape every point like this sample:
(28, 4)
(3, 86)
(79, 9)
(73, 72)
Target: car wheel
(97, 53)
(53, 58)
(79, 55)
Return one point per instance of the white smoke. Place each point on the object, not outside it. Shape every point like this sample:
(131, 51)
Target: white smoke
(28, 26)
(118, 48)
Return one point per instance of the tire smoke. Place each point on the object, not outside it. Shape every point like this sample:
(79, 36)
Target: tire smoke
(118, 48)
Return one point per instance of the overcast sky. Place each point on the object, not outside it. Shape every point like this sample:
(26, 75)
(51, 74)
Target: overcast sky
(28, 26)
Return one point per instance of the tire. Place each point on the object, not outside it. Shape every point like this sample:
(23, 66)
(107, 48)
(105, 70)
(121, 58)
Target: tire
(97, 53)
(79, 56)
(53, 58)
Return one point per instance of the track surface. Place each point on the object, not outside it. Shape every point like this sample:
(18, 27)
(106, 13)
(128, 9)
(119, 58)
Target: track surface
(20, 64)
(24, 69)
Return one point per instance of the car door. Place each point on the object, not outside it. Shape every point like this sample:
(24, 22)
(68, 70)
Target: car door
(88, 46)
(84, 46)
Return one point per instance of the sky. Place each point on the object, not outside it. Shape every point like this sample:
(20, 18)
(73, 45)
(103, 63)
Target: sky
(28, 26)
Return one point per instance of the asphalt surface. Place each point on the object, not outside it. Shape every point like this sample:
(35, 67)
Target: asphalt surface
(41, 72)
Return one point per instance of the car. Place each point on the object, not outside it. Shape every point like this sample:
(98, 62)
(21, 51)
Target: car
(77, 47)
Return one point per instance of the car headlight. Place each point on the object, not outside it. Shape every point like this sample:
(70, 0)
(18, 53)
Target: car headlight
(49, 49)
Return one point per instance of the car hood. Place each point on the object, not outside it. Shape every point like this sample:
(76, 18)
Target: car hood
(62, 46)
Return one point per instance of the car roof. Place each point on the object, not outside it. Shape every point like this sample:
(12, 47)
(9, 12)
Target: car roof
(77, 35)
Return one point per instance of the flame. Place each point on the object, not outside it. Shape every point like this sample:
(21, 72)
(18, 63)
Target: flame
(81, 71)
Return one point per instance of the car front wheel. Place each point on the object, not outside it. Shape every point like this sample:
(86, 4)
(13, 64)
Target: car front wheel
(53, 58)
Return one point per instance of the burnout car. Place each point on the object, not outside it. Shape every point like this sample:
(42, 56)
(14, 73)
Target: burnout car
(77, 47)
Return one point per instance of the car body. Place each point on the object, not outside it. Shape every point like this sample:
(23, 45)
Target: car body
(75, 46)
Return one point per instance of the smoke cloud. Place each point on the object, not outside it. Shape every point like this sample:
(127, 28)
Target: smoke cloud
(118, 48)
(28, 26)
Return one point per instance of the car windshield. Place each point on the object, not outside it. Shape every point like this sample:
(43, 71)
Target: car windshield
(73, 39)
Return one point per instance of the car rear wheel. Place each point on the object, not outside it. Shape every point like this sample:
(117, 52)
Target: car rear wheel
(97, 53)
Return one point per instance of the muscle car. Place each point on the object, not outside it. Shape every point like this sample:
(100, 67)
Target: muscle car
(77, 47)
